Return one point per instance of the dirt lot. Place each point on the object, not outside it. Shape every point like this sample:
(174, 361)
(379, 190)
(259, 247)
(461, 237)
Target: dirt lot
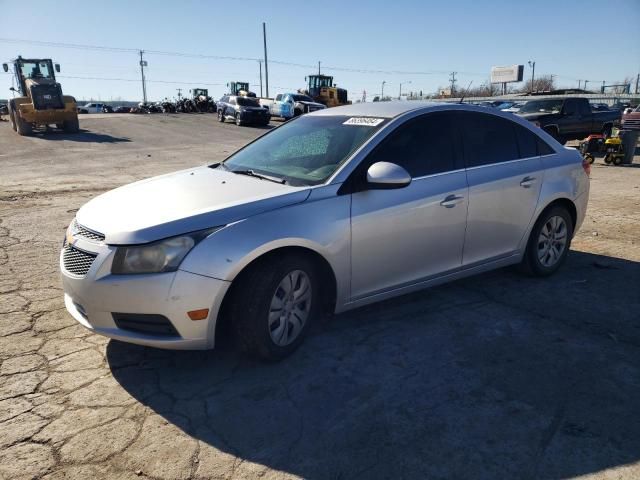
(497, 376)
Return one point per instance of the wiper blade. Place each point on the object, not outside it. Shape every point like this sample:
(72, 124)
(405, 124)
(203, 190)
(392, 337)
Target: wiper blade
(261, 176)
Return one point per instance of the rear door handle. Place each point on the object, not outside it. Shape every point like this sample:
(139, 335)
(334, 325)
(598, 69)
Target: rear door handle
(451, 201)
(527, 182)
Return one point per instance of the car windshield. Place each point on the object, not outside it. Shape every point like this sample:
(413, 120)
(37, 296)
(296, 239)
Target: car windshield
(301, 98)
(36, 70)
(247, 102)
(305, 151)
(546, 106)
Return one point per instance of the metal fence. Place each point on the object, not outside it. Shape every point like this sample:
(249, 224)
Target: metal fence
(608, 99)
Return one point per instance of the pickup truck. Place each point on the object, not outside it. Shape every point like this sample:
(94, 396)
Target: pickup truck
(569, 118)
(288, 105)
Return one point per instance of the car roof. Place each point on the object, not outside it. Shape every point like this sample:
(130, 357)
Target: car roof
(377, 109)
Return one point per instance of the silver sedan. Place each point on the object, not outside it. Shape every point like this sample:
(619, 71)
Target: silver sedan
(330, 211)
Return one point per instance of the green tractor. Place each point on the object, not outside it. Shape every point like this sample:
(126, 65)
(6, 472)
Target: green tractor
(240, 88)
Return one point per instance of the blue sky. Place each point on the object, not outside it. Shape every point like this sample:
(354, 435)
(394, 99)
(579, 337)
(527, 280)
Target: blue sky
(572, 39)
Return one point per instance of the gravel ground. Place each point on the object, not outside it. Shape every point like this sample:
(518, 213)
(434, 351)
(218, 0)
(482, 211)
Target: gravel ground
(496, 376)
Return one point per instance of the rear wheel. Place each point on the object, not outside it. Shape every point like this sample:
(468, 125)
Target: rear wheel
(617, 159)
(71, 126)
(274, 304)
(23, 127)
(12, 117)
(549, 242)
(608, 159)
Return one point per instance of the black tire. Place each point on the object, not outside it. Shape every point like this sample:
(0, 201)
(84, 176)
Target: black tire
(617, 160)
(71, 126)
(608, 159)
(221, 115)
(23, 128)
(238, 120)
(589, 158)
(12, 117)
(251, 303)
(531, 264)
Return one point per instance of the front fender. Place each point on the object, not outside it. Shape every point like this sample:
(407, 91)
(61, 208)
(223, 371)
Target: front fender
(320, 224)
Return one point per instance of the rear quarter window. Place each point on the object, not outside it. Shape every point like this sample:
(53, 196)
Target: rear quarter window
(487, 139)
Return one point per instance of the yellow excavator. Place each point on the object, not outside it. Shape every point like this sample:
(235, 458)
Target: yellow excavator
(40, 101)
(322, 90)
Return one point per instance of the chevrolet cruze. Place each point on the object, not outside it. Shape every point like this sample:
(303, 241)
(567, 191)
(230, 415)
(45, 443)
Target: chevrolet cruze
(330, 211)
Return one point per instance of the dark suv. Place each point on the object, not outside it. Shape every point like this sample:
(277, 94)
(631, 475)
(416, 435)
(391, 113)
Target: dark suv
(242, 110)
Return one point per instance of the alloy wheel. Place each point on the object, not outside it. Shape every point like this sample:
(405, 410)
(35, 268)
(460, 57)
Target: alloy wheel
(290, 308)
(552, 241)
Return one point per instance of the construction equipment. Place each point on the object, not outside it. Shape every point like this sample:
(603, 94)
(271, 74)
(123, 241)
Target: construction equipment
(322, 90)
(240, 88)
(614, 151)
(41, 102)
(202, 100)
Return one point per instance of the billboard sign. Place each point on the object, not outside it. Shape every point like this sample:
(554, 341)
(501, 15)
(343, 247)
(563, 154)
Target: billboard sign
(512, 73)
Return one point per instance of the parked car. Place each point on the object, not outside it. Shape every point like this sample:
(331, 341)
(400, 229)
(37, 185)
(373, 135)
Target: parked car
(514, 108)
(289, 105)
(242, 110)
(330, 211)
(122, 109)
(569, 118)
(91, 108)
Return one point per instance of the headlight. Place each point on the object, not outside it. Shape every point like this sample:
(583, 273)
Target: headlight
(162, 256)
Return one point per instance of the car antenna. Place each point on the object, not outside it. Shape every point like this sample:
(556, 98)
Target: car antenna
(466, 91)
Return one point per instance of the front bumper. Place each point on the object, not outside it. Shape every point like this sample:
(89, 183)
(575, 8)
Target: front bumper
(93, 298)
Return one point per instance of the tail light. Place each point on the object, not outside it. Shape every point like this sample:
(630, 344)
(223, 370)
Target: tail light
(586, 166)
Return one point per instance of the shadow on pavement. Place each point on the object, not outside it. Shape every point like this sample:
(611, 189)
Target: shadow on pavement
(83, 136)
(495, 376)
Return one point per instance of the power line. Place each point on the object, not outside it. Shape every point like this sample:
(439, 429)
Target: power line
(226, 57)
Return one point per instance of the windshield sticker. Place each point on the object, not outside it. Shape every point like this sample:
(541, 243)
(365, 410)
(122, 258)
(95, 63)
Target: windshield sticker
(364, 121)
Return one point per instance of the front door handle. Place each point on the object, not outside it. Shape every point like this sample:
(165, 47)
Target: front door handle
(527, 182)
(451, 201)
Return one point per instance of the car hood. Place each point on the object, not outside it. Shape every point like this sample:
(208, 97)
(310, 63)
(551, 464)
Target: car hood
(180, 202)
(536, 115)
(315, 104)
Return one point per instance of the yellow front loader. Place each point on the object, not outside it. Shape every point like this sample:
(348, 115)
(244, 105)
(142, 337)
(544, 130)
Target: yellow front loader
(40, 101)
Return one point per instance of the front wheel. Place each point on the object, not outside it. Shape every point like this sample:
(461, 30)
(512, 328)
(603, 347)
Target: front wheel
(549, 242)
(274, 304)
(12, 116)
(220, 116)
(71, 126)
(23, 127)
(238, 120)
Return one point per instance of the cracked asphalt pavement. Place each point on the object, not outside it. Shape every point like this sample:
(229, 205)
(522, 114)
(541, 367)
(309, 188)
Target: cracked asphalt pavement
(495, 376)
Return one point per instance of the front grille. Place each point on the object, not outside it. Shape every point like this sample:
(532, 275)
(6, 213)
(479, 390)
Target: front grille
(47, 96)
(80, 231)
(145, 323)
(77, 261)
(631, 124)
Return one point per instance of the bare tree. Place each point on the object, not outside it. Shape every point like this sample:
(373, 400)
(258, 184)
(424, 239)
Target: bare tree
(544, 83)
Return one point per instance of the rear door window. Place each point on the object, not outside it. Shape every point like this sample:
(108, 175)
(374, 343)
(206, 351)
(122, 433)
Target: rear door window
(527, 142)
(422, 146)
(487, 139)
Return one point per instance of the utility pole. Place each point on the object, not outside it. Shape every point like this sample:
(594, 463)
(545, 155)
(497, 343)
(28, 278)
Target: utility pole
(532, 64)
(143, 64)
(602, 89)
(452, 79)
(266, 65)
(585, 84)
(400, 93)
(179, 93)
(382, 93)
(637, 83)
(318, 67)
(579, 83)
(260, 63)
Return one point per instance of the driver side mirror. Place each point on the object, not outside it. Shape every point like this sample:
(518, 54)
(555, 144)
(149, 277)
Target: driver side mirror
(5, 67)
(386, 176)
(58, 67)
